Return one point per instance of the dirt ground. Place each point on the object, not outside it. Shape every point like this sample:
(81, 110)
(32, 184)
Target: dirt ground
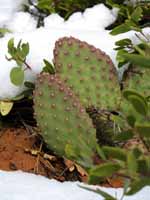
(22, 150)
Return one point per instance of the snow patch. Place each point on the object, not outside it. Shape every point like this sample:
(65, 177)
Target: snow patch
(8, 8)
(24, 186)
(88, 26)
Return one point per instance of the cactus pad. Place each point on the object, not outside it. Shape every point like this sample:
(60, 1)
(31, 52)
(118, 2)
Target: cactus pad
(88, 71)
(64, 123)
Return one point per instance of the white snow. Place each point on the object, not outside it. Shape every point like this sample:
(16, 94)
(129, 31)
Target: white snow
(8, 8)
(24, 186)
(88, 26)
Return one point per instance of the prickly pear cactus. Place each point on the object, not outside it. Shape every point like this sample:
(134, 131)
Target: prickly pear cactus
(88, 71)
(64, 123)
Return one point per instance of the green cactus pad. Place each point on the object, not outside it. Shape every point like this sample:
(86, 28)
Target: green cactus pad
(64, 123)
(88, 71)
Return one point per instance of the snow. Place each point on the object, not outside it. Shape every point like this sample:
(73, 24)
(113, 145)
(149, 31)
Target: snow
(24, 186)
(8, 8)
(88, 26)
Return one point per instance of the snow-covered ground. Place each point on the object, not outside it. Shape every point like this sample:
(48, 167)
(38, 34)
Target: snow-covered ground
(24, 186)
(88, 26)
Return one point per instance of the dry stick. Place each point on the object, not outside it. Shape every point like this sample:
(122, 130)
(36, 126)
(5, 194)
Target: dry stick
(36, 168)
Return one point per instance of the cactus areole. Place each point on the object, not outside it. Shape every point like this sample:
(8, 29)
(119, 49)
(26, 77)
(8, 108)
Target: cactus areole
(88, 71)
(64, 123)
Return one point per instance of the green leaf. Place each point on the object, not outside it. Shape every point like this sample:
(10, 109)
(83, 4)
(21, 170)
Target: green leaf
(132, 25)
(131, 120)
(3, 31)
(11, 43)
(137, 152)
(126, 185)
(136, 59)
(17, 76)
(105, 169)
(100, 152)
(138, 104)
(127, 93)
(98, 191)
(119, 56)
(11, 49)
(25, 49)
(143, 129)
(137, 14)
(138, 185)
(18, 97)
(115, 152)
(48, 67)
(120, 64)
(144, 165)
(18, 53)
(124, 135)
(137, 100)
(120, 29)
(19, 44)
(95, 180)
(131, 164)
(114, 3)
(29, 84)
(5, 107)
(123, 42)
